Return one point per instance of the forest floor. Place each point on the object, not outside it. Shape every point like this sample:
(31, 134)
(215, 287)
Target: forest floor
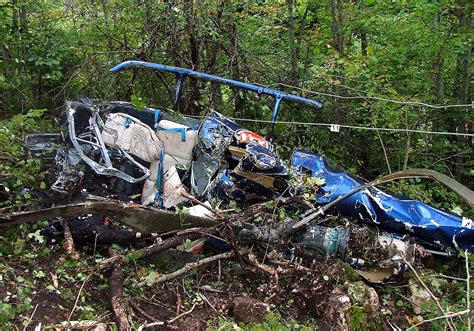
(43, 285)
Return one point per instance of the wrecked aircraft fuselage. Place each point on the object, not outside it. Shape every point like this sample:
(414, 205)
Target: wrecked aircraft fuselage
(174, 172)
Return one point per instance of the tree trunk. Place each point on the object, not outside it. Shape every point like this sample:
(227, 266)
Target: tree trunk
(407, 151)
(23, 19)
(301, 30)
(439, 79)
(438, 66)
(334, 26)
(239, 102)
(15, 15)
(293, 49)
(68, 6)
(463, 90)
(39, 91)
(363, 43)
(463, 66)
(337, 25)
(194, 45)
(464, 62)
(212, 50)
(341, 26)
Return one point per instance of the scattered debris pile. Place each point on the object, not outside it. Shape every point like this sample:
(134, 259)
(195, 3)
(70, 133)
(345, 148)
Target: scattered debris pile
(152, 177)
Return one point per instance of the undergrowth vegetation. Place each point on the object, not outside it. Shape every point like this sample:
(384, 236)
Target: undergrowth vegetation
(21, 174)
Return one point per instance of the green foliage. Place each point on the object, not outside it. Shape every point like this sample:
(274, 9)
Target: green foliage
(137, 102)
(357, 318)
(7, 313)
(67, 295)
(151, 278)
(14, 240)
(273, 321)
(17, 171)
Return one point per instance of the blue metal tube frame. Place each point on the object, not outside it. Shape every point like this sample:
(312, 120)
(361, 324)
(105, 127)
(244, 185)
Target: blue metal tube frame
(182, 72)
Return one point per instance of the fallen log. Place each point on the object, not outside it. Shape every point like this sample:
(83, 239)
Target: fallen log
(137, 217)
(68, 241)
(118, 302)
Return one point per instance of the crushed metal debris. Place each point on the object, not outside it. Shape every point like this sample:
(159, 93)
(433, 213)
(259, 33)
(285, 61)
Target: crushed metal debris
(123, 174)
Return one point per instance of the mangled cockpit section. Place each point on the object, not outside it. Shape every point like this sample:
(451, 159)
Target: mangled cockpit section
(119, 144)
(233, 163)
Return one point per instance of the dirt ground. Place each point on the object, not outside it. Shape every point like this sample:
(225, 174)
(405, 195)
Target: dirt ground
(46, 286)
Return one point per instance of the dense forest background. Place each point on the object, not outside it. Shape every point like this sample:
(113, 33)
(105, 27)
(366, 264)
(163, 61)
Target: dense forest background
(388, 64)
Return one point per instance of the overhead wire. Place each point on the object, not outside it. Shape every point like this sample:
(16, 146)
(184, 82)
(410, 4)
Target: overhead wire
(357, 127)
(409, 103)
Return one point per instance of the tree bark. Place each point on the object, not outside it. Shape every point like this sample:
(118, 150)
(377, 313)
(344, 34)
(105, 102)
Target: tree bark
(194, 46)
(68, 6)
(463, 87)
(23, 19)
(407, 151)
(68, 241)
(363, 43)
(15, 15)
(293, 48)
(463, 62)
(239, 102)
(337, 25)
(117, 300)
(340, 26)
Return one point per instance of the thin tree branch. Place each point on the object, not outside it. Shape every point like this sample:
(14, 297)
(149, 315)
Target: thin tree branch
(188, 267)
(146, 325)
(447, 316)
(68, 241)
(436, 300)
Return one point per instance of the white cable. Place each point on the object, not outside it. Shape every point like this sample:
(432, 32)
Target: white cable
(347, 126)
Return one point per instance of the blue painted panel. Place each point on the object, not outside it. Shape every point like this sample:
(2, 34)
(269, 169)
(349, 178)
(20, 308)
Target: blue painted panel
(389, 212)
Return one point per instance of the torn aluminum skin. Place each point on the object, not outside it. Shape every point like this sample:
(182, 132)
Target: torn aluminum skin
(427, 224)
(262, 160)
(230, 185)
(215, 135)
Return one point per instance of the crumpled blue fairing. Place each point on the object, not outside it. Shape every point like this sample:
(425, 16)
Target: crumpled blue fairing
(392, 213)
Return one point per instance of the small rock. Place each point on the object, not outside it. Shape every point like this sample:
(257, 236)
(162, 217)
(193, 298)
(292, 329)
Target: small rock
(418, 296)
(249, 310)
(350, 295)
(335, 318)
(363, 295)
